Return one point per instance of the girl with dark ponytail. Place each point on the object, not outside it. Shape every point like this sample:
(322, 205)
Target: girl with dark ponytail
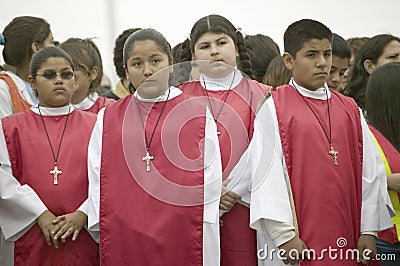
(217, 47)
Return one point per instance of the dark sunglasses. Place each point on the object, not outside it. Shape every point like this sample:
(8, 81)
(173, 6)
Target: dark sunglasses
(50, 74)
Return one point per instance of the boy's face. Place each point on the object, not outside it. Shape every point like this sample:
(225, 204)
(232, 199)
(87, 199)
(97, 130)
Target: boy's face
(310, 68)
(336, 75)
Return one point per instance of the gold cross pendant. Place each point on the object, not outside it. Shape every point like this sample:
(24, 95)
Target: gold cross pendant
(147, 158)
(55, 172)
(334, 155)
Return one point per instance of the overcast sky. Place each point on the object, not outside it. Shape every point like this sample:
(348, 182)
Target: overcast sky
(106, 19)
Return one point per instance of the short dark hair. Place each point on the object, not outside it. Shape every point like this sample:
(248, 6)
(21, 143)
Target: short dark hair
(43, 54)
(303, 31)
(340, 47)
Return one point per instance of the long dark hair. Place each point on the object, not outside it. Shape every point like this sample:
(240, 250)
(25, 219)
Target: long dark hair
(372, 50)
(19, 35)
(382, 98)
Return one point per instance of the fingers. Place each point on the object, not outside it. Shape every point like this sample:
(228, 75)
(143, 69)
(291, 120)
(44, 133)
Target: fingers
(226, 182)
(58, 219)
(232, 195)
(75, 236)
(57, 227)
(67, 233)
(366, 257)
(55, 242)
(63, 231)
(226, 205)
(47, 236)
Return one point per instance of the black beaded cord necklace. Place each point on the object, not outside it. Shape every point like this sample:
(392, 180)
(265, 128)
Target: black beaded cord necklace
(148, 157)
(332, 152)
(55, 172)
(223, 103)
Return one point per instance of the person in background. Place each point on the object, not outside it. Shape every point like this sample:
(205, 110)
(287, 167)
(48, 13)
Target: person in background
(355, 44)
(21, 38)
(378, 50)
(35, 189)
(382, 98)
(88, 69)
(277, 74)
(262, 49)
(341, 54)
(105, 85)
(121, 89)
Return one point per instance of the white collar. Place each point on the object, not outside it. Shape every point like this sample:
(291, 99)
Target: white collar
(173, 92)
(53, 111)
(223, 83)
(88, 102)
(317, 94)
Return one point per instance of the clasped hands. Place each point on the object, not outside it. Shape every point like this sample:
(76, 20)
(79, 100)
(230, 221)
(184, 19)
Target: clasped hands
(61, 227)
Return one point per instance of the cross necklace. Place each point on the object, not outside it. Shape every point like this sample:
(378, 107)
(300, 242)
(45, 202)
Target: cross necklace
(55, 172)
(223, 103)
(148, 158)
(332, 152)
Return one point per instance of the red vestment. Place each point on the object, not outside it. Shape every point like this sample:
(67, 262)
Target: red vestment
(31, 159)
(154, 217)
(100, 103)
(327, 198)
(235, 122)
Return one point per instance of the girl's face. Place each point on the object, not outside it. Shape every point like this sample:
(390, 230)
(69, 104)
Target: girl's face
(49, 41)
(144, 60)
(83, 77)
(216, 47)
(54, 82)
(391, 53)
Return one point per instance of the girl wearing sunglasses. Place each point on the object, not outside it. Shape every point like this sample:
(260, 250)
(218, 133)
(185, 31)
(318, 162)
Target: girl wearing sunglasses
(88, 74)
(34, 189)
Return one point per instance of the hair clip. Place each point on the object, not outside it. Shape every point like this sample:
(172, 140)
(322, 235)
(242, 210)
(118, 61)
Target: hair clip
(2, 40)
(238, 29)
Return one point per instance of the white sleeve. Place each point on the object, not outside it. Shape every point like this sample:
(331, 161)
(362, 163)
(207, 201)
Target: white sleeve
(240, 177)
(376, 203)
(5, 100)
(270, 206)
(212, 193)
(20, 206)
(94, 161)
(212, 171)
(84, 207)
